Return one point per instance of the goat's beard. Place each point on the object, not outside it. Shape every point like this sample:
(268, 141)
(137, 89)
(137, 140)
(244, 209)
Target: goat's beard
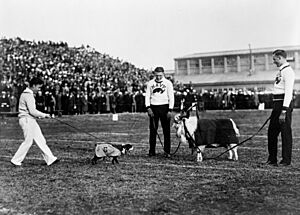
(180, 133)
(183, 139)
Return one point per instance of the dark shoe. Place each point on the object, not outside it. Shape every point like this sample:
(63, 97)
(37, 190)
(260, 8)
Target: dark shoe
(283, 163)
(271, 163)
(55, 162)
(151, 154)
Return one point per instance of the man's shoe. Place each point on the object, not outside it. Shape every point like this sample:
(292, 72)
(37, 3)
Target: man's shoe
(15, 165)
(283, 163)
(271, 163)
(151, 154)
(54, 162)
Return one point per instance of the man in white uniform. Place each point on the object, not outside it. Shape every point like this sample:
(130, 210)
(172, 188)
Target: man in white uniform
(159, 102)
(281, 117)
(31, 129)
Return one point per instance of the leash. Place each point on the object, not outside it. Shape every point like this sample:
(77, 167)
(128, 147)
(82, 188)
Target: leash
(80, 130)
(153, 123)
(191, 140)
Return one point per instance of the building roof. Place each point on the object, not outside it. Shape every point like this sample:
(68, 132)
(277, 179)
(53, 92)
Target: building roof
(230, 77)
(237, 52)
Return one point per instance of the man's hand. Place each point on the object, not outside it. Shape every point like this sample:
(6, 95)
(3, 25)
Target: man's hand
(150, 112)
(47, 116)
(169, 114)
(282, 117)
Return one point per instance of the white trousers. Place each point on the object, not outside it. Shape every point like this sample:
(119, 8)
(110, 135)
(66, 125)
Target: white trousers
(32, 132)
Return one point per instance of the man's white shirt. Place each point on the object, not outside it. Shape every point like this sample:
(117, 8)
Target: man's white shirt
(284, 83)
(160, 93)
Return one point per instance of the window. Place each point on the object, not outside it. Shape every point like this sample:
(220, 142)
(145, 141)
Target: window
(219, 61)
(261, 89)
(182, 64)
(290, 56)
(206, 62)
(194, 63)
(231, 61)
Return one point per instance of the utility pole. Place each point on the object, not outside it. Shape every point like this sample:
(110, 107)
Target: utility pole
(251, 68)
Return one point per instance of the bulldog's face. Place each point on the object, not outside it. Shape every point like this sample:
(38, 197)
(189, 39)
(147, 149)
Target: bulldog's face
(126, 148)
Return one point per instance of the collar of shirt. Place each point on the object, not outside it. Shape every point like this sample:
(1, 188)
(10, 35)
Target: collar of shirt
(283, 65)
(160, 80)
(27, 90)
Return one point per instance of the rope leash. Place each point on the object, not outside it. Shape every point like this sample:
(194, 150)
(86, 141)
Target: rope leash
(249, 138)
(80, 130)
(171, 154)
(193, 142)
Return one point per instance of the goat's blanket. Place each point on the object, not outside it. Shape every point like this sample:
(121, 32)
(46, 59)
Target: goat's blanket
(215, 131)
(106, 150)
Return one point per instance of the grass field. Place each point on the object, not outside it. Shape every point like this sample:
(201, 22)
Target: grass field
(142, 184)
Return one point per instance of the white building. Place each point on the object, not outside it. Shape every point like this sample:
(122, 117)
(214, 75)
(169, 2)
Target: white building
(240, 69)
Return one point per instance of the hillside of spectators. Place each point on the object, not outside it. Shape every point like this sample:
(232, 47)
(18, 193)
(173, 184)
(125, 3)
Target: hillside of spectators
(81, 71)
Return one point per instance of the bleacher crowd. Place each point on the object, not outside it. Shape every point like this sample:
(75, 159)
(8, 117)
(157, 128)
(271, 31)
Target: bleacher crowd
(80, 80)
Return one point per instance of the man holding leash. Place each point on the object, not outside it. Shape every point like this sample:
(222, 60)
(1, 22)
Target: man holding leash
(159, 103)
(281, 116)
(31, 130)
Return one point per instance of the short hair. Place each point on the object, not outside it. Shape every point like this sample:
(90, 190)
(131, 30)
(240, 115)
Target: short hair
(159, 69)
(35, 81)
(280, 52)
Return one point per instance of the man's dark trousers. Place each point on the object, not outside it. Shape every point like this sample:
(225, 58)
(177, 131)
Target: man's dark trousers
(275, 127)
(160, 113)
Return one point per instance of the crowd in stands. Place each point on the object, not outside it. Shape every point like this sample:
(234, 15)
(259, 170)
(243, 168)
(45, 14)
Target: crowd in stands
(80, 80)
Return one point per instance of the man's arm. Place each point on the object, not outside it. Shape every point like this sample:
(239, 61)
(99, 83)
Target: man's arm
(289, 79)
(30, 102)
(171, 95)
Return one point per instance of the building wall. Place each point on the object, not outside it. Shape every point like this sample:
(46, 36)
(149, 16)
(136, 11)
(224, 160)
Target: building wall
(231, 63)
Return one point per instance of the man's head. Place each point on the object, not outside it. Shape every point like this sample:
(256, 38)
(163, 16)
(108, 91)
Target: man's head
(279, 57)
(35, 84)
(159, 73)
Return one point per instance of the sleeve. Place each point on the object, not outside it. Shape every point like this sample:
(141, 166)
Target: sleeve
(148, 95)
(171, 95)
(289, 79)
(30, 102)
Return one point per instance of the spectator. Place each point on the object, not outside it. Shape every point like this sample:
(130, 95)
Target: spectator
(4, 103)
(40, 101)
(13, 103)
(71, 104)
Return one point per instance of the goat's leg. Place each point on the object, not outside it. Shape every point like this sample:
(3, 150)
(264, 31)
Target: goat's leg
(200, 150)
(94, 160)
(230, 152)
(234, 152)
(115, 159)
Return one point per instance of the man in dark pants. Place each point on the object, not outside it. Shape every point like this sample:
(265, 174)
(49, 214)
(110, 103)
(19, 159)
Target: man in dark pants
(281, 117)
(159, 102)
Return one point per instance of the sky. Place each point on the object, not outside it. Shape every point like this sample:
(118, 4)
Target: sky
(150, 33)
